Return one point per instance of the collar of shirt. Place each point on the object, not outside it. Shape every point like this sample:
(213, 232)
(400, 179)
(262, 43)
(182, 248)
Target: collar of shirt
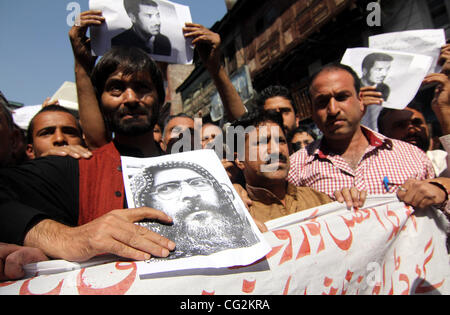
(376, 141)
(266, 196)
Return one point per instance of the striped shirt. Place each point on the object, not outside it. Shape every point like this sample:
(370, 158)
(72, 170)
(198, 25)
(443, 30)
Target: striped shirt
(397, 160)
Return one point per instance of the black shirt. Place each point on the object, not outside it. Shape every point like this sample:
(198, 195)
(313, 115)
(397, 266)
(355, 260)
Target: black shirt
(45, 188)
(39, 189)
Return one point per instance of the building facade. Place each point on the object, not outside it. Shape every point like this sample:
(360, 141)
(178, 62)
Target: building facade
(283, 42)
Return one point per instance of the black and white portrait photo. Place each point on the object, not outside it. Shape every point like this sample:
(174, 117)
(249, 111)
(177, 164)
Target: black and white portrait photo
(155, 26)
(146, 30)
(396, 75)
(207, 217)
(375, 70)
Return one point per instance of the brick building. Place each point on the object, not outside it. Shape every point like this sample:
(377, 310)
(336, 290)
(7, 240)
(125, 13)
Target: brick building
(285, 41)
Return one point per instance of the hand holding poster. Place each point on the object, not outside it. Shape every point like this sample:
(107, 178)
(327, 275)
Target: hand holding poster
(156, 26)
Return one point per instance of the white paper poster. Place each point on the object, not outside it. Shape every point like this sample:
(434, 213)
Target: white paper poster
(424, 42)
(156, 26)
(212, 228)
(397, 75)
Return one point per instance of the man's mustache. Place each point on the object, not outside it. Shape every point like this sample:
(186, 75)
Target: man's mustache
(273, 158)
(127, 111)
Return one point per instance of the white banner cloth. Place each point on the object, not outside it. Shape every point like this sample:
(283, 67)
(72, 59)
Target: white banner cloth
(385, 248)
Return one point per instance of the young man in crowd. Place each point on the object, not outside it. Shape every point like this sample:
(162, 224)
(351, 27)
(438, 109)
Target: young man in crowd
(350, 155)
(52, 130)
(207, 45)
(278, 98)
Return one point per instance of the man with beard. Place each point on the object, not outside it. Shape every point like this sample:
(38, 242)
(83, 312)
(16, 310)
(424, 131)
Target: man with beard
(65, 207)
(205, 220)
(410, 125)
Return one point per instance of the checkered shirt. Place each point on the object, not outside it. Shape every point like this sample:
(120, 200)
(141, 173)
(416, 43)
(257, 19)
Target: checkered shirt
(397, 160)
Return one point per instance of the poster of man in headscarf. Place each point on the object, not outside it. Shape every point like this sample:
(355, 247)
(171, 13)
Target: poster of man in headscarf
(211, 226)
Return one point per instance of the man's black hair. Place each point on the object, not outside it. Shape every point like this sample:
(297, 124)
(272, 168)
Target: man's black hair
(168, 119)
(275, 91)
(48, 109)
(338, 66)
(259, 116)
(132, 6)
(370, 60)
(131, 61)
(302, 129)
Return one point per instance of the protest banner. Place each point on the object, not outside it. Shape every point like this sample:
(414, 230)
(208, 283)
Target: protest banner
(385, 248)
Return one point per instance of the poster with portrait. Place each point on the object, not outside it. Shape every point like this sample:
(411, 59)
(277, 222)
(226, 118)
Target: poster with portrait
(397, 75)
(212, 227)
(156, 26)
(242, 81)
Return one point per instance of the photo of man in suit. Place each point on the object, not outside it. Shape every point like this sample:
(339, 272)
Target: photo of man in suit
(146, 30)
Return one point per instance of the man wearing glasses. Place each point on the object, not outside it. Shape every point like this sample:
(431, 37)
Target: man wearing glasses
(205, 220)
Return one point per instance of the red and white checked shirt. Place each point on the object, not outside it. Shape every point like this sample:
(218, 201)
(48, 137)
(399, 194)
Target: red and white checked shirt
(397, 160)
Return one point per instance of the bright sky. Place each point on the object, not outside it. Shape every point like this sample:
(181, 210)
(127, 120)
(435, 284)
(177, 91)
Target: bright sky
(35, 53)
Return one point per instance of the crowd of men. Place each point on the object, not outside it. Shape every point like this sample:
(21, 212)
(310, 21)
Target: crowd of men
(61, 186)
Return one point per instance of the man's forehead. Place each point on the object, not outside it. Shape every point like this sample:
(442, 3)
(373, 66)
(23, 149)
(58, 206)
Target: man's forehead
(267, 128)
(182, 122)
(332, 81)
(277, 102)
(382, 64)
(137, 77)
(174, 174)
(52, 119)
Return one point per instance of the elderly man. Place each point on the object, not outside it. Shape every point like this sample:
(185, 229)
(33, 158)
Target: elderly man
(205, 220)
(350, 155)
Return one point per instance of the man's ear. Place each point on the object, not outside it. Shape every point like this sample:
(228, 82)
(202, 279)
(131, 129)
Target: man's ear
(297, 121)
(30, 152)
(132, 18)
(361, 103)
